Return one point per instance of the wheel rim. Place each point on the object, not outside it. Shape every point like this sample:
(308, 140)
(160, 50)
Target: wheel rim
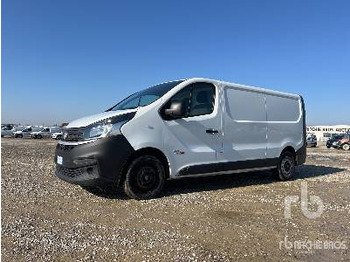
(287, 166)
(346, 147)
(146, 178)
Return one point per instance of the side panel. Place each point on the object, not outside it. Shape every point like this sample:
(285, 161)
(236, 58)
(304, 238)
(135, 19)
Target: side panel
(285, 124)
(244, 125)
(252, 124)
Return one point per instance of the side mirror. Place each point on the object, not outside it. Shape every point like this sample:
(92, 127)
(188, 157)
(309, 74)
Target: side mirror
(175, 110)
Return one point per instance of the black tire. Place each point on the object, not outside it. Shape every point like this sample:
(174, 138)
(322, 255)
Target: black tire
(328, 146)
(18, 136)
(39, 137)
(58, 137)
(286, 166)
(145, 178)
(345, 146)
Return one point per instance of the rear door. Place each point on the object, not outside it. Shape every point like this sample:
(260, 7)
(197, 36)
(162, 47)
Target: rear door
(196, 138)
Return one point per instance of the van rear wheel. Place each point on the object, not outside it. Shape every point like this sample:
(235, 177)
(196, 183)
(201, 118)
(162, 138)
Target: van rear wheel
(286, 166)
(145, 178)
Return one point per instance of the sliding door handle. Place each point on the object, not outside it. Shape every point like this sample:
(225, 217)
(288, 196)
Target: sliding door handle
(212, 131)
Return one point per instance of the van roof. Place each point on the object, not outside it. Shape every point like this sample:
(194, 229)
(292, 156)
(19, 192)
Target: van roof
(246, 87)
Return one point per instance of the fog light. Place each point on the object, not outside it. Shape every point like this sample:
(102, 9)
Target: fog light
(89, 170)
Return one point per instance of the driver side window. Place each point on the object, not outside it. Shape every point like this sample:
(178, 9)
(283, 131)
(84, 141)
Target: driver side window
(196, 99)
(202, 99)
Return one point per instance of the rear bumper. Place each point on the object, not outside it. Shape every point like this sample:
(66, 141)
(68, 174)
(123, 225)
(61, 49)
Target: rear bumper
(301, 152)
(94, 163)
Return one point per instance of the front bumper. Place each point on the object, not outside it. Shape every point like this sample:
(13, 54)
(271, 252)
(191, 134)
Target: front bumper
(85, 176)
(94, 163)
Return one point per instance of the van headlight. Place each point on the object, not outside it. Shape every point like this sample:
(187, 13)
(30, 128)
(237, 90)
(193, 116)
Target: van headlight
(108, 127)
(98, 130)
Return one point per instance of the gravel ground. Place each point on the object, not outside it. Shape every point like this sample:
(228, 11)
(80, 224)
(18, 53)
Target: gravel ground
(222, 218)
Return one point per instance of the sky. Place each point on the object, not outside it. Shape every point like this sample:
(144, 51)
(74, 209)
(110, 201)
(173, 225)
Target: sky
(62, 60)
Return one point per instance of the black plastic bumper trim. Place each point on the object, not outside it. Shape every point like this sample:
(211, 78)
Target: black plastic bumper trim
(106, 156)
(228, 166)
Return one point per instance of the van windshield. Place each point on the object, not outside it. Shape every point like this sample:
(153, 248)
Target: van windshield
(145, 97)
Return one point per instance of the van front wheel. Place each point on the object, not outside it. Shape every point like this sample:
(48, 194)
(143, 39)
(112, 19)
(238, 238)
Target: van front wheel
(286, 166)
(145, 178)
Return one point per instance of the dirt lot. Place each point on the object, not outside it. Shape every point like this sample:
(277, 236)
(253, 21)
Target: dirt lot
(222, 218)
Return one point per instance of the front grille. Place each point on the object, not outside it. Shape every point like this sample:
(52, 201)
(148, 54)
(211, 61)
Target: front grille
(63, 147)
(73, 134)
(69, 172)
(91, 171)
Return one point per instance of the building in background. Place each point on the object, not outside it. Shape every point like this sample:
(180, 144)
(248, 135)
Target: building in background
(323, 133)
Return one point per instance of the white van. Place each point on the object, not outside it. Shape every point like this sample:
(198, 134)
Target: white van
(192, 127)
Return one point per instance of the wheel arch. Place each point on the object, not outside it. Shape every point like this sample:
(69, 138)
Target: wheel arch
(146, 151)
(290, 149)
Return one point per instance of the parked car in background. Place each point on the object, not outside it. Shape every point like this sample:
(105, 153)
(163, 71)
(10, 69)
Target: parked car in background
(7, 131)
(334, 138)
(57, 135)
(311, 140)
(343, 143)
(26, 132)
(45, 132)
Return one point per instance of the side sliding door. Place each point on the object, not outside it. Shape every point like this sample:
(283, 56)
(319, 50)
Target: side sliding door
(245, 128)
